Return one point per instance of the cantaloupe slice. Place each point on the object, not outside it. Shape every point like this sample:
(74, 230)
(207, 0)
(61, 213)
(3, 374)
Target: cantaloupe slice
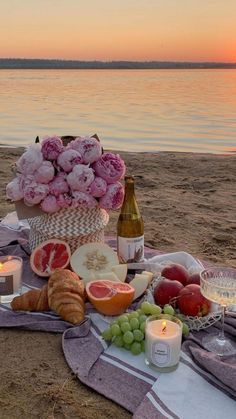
(87, 280)
(142, 276)
(110, 276)
(93, 258)
(139, 283)
(148, 274)
(120, 271)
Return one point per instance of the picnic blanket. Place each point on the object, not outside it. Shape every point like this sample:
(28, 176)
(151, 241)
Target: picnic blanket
(204, 385)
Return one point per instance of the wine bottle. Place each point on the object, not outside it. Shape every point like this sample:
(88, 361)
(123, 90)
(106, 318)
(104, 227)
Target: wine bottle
(130, 227)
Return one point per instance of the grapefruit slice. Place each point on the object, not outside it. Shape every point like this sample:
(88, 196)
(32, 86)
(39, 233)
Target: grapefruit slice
(108, 297)
(48, 256)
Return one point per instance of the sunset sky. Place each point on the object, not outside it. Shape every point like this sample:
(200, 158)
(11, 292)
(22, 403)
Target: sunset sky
(174, 30)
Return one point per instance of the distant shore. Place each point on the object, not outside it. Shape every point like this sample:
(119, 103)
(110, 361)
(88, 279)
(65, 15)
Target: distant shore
(25, 63)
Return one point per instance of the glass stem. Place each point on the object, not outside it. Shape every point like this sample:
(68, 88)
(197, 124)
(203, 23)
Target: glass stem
(222, 331)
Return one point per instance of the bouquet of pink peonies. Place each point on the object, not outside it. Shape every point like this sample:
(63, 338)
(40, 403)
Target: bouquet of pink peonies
(56, 176)
(65, 190)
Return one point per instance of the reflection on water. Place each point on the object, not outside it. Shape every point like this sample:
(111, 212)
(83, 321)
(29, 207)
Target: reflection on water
(132, 110)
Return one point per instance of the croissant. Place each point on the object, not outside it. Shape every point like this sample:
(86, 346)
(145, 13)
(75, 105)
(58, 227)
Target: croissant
(33, 300)
(66, 295)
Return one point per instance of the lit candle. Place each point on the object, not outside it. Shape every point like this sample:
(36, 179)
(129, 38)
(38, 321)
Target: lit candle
(163, 335)
(10, 277)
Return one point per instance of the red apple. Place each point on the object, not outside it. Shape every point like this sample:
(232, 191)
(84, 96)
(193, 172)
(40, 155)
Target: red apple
(165, 290)
(191, 302)
(175, 272)
(194, 279)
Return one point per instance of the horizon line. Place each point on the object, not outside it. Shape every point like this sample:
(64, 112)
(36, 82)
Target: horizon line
(120, 60)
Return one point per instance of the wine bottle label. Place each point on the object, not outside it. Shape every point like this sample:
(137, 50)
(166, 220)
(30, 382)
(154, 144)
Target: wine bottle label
(130, 249)
(160, 354)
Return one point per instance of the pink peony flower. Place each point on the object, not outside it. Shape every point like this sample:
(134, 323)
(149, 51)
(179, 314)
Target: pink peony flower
(81, 199)
(14, 190)
(59, 184)
(113, 197)
(74, 144)
(64, 200)
(50, 204)
(68, 159)
(45, 173)
(98, 187)
(28, 180)
(35, 193)
(110, 167)
(80, 178)
(52, 147)
(31, 160)
(90, 149)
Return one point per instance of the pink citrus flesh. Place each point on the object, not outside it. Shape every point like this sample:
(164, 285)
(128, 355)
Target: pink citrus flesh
(109, 297)
(48, 256)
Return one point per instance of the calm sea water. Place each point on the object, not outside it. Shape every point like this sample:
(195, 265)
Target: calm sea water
(132, 110)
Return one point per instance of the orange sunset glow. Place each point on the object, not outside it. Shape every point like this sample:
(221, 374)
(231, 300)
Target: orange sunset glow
(126, 30)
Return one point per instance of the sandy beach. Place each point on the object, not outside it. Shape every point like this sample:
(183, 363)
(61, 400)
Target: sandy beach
(188, 202)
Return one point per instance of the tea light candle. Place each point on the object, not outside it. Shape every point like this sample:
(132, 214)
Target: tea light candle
(163, 342)
(10, 276)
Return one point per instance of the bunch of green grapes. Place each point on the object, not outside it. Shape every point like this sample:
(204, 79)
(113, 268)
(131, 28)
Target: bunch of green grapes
(128, 330)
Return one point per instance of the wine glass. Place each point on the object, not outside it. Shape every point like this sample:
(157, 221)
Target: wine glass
(218, 284)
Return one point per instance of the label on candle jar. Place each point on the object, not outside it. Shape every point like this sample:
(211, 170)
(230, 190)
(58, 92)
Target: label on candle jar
(160, 354)
(6, 285)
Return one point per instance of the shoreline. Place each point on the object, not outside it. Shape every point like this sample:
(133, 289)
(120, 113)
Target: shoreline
(6, 147)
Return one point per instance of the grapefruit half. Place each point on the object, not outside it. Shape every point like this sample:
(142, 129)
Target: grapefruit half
(108, 297)
(48, 256)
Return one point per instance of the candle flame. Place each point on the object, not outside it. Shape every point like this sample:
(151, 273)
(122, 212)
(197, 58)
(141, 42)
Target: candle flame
(163, 327)
(1, 265)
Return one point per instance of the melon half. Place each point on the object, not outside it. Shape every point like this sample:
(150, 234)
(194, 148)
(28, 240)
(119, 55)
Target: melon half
(93, 258)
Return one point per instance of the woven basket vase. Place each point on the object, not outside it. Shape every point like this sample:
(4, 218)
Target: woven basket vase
(76, 226)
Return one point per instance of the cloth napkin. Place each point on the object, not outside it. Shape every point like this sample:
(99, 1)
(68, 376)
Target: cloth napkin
(13, 230)
(222, 368)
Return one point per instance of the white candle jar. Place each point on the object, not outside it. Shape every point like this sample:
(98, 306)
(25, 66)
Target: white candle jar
(163, 337)
(10, 277)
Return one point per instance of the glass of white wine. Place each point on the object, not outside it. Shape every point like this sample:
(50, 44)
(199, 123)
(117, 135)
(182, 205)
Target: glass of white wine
(218, 284)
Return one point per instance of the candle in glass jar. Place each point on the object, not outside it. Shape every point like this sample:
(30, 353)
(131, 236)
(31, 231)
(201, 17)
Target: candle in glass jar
(163, 342)
(10, 276)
